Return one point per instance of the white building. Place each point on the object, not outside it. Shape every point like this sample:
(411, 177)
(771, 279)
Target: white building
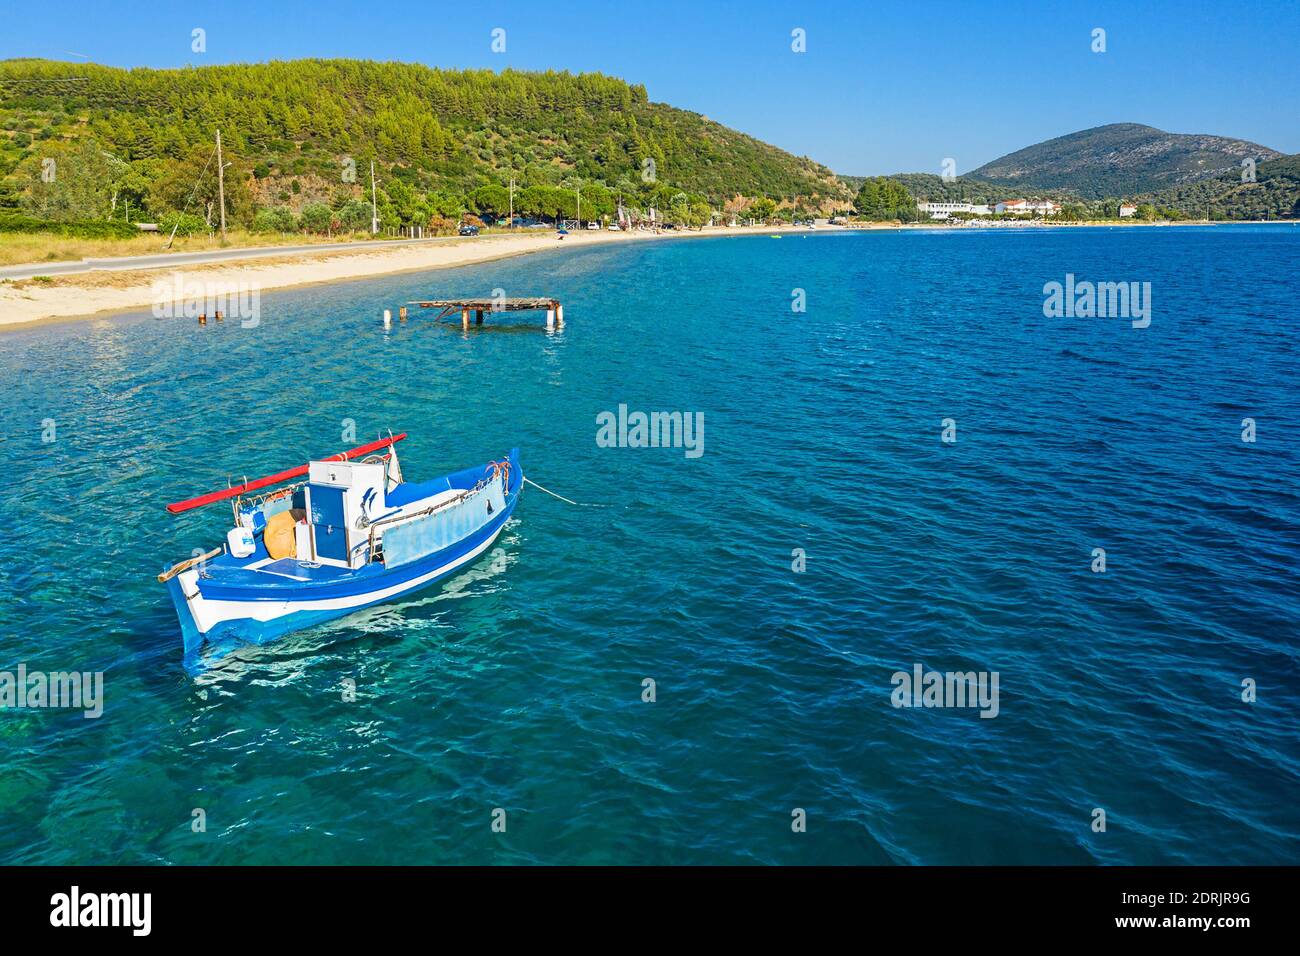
(1028, 207)
(1125, 210)
(942, 210)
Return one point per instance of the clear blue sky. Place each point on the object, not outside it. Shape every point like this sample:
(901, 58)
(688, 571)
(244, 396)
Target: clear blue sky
(883, 87)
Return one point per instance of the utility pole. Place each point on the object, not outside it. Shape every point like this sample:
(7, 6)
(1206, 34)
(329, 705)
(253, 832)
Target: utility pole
(512, 202)
(578, 192)
(221, 186)
(374, 206)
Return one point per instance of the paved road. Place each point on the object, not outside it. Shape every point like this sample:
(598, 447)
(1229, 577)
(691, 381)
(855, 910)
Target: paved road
(193, 258)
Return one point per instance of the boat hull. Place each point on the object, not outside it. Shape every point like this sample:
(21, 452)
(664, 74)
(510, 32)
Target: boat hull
(205, 618)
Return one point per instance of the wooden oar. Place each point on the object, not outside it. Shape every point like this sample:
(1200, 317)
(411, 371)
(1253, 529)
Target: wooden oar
(176, 569)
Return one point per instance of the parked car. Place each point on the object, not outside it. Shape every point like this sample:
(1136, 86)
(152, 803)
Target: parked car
(594, 225)
(467, 230)
(614, 227)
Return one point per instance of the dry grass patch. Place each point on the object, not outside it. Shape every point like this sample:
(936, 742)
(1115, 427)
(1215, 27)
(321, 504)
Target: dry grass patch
(33, 248)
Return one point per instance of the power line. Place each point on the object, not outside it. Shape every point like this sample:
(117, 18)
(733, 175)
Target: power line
(193, 193)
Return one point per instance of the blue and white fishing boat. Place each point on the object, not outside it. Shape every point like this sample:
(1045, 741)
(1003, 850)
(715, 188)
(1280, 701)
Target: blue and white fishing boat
(352, 534)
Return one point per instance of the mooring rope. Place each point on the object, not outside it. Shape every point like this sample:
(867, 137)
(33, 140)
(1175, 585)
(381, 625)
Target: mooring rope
(553, 494)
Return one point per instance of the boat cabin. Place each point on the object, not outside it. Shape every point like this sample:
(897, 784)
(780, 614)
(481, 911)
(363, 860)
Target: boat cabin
(326, 519)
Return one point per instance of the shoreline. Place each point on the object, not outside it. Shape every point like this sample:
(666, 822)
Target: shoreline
(29, 303)
(98, 294)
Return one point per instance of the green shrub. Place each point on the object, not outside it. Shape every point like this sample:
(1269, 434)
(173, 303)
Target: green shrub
(92, 229)
(354, 216)
(277, 219)
(316, 217)
(185, 223)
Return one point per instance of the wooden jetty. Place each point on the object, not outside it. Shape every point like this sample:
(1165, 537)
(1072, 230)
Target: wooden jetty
(554, 311)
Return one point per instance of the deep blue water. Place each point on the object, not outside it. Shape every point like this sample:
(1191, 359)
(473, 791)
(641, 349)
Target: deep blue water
(518, 685)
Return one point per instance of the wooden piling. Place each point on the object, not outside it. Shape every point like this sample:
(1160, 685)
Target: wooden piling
(464, 319)
(478, 316)
(401, 314)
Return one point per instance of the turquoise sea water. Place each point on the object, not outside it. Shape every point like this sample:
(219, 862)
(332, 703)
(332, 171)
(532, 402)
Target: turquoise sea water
(518, 685)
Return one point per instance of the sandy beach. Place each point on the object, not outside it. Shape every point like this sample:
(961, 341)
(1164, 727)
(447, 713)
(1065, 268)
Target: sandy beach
(92, 294)
(25, 302)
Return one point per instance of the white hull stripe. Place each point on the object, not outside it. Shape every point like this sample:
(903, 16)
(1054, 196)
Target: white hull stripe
(208, 612)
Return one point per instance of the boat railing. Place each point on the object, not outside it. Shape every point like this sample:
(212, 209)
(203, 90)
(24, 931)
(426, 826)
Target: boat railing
(249, 502)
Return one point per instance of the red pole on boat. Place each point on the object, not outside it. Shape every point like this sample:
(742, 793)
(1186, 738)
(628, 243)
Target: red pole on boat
(190, 503)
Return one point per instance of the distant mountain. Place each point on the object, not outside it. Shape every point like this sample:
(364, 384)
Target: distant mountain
(1119, 160)
(1184, 174)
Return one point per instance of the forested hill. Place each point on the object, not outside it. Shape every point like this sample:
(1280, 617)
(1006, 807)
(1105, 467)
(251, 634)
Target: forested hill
(1120, 159)
(293, 126)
